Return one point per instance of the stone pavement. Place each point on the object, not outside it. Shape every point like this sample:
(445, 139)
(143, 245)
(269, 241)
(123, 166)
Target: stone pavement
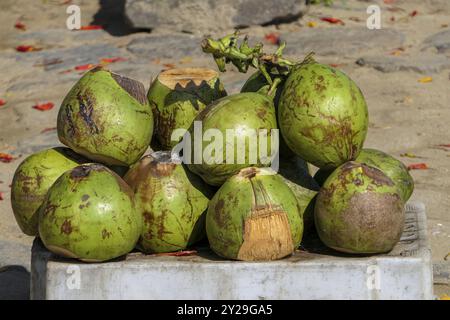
(406, 115)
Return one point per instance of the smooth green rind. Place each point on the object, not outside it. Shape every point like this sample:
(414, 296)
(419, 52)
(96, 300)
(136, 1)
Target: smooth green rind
(322, 115)
(177, 108)
(359, 210)
(244, 113)
(172, 202)
(32, 179)
(106, 121)
(89, 214)
(234, 203)
(391, 167)
(295, 173)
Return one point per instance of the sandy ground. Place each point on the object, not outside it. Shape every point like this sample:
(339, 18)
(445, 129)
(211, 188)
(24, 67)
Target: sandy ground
(406, 116)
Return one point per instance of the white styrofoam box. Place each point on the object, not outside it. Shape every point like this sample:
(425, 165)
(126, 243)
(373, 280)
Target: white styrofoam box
(313, 272)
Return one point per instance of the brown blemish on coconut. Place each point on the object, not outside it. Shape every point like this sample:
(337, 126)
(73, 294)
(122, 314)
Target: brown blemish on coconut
(66, 227)
(378, 177)
(248, 173)
(160, 170)
(106, 234)
(83, 171)
(375, 224)
(174, 78)
(84, 197)
(133, 87)
(86, 102)
(267, 236)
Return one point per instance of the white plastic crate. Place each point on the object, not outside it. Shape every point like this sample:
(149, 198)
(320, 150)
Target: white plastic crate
(311, 273)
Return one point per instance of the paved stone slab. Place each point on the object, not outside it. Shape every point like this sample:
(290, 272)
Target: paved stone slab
(422, 64)
(341, 40)
(71, 57)
(59, 37)
(440, 41)
(172, 46)
(199, 16)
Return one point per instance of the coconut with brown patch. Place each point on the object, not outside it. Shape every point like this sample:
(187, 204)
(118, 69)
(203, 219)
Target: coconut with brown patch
(89, 214)
(359, 210)
(171, 200)
(107, 118)
(32, 179)
(177, 96)
(254, 217)
(322, 115)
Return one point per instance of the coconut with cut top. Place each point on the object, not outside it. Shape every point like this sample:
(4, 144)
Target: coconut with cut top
(177, 96)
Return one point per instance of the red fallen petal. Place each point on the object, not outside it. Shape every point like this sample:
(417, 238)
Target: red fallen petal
(91, 27)
(332, 20)
(414, 13)
(24, 48)
(2, 102)
(85, 66)
(1, 196)
(444, 145)
(179, 253)
(112, 60)
(273, 38)
(48, 130)
(418, 166)
(389, 1)
(44, 107)
(20, 25)
(6, 158)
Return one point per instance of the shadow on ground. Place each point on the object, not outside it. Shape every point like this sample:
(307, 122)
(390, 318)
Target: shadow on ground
(14, 283)
(112, 17)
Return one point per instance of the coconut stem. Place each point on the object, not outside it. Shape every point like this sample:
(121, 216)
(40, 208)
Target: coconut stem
(273, 67)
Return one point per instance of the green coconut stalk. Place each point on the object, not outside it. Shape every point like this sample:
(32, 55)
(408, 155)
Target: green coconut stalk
(272, 68)
(172, 202)
(89, 214)
(107, 118)
(245, 115)
(359, 210)
(31, 181)
(177, 96)
(254, 217)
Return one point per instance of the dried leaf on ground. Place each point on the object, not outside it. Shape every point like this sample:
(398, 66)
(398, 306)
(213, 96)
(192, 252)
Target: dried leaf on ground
(91, 27)
(273, 38)
(408, 155)
(418, 166)
(6, 158)
(85, 67)
(332, 20)
(111, 60)
(19, 25)
(44, 106)
(27, 48)
(425, 79)
(48, 129)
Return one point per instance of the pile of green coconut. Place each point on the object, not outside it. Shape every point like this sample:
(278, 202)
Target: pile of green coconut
(122, 182)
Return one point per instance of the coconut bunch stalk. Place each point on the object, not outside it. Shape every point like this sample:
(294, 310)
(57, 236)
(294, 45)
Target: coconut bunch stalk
(272, 68)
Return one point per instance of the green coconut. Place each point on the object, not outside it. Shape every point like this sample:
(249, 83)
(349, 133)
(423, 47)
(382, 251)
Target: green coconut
(172, 202)
(295, 173)
(177, 96)
(254, 216)
(322, 115)
(107, 118)
(258, 83)
(390, 166)
(243, 123)
(359, 210)
(31, 181)
(89, 214)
